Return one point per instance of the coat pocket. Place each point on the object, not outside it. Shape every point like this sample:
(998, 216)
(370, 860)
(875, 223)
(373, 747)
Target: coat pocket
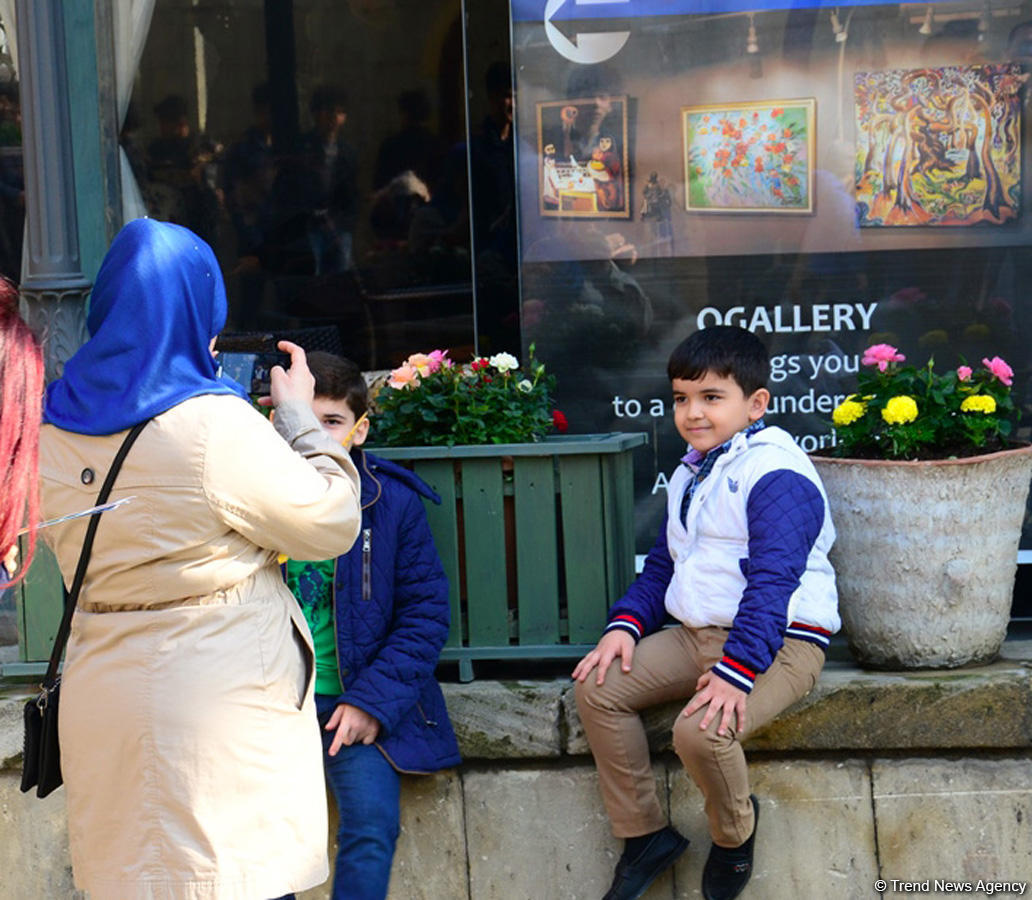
(307, 671)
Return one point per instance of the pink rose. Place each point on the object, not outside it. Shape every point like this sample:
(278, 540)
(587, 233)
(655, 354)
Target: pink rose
(964, 373)
(1000, 369)
(439, 359)
(405, 376)
(881, 355)
(420, 362)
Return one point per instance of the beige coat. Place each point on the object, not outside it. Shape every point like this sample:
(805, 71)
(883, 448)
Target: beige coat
(190, 748)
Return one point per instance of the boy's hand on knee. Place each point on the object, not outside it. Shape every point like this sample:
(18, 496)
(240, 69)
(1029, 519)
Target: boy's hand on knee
(353, 725)
(613, 644)
(723, 698)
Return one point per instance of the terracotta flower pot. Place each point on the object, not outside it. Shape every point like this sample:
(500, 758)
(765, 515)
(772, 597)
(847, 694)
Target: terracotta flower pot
(926, 555)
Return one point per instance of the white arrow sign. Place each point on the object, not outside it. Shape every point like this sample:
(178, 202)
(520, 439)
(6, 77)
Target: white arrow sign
(587, 49)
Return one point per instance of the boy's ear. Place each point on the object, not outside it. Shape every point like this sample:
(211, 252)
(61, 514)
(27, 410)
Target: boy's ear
(758, 403)
(361, 433)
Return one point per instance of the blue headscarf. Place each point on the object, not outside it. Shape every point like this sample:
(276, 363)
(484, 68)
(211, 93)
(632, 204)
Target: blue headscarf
(158, 301)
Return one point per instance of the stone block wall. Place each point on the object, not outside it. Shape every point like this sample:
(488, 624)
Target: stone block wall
(903, 778)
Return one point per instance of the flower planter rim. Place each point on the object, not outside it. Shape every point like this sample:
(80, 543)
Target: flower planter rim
(1021, 448)
(551, 445)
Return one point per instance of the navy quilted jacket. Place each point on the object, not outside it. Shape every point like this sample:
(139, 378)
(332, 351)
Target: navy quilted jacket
(751, 556)
(391, 605)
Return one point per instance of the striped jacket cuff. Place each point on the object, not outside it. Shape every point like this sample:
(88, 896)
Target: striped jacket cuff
(733, 672)
(628, 623)
(812, 633)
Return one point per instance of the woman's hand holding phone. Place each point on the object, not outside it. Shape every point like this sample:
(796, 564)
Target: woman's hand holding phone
(293, 385)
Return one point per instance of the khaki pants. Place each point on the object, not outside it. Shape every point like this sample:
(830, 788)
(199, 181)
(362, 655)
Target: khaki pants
(666, 667)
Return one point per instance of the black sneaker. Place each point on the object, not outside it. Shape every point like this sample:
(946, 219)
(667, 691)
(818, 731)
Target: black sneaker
(632, 877)
(728, 869)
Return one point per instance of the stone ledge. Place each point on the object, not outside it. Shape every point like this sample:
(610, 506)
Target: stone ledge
(850, 710)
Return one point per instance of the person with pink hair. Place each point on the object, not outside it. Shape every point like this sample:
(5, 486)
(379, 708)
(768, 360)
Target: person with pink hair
(21, 405)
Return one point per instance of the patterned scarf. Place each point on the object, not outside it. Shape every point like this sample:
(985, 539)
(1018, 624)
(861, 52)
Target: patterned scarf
(700, 466)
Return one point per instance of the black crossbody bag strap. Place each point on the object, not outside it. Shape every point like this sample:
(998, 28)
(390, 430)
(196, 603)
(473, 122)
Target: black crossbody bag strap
(84, 557)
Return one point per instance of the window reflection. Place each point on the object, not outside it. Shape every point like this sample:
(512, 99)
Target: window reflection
(12, 182)
(916, 233)
(321, 149)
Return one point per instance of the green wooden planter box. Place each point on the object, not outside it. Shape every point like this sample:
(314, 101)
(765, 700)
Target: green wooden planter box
(537, 541)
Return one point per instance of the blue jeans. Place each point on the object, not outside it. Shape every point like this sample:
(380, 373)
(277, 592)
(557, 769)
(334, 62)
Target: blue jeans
(367, 791)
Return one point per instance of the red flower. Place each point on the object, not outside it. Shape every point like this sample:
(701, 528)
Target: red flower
(479, 364)
(559, 421)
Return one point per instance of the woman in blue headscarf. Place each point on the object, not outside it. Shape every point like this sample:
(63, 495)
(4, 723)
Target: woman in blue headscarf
(187, 709)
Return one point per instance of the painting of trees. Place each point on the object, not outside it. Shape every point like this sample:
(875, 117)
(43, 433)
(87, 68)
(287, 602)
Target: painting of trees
(939, 146)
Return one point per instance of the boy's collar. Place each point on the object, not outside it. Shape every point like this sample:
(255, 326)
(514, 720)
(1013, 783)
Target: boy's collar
(693, 459)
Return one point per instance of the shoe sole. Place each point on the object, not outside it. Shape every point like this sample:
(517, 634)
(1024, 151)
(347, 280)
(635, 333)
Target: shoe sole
(668, 861)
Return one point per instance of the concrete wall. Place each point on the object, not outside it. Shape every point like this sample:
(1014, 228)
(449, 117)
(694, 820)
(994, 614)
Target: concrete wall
(897, 777)
(829, 829)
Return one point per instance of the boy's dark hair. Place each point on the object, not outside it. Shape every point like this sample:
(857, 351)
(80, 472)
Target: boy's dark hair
(337, 378)
(170, 109)
(724, 350)
(327, 97)
(261, 94)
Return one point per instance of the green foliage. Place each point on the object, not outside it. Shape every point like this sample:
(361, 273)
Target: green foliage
(431, 401)
(905, 412)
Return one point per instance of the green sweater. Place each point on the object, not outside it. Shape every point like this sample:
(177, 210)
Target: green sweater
(312, 584)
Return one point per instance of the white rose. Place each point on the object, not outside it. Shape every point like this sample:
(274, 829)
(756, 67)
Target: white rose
(525, 386)
(504, 362)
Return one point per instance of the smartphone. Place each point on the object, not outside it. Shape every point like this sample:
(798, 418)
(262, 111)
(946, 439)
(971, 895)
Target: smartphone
(248, 357)
(252, 369)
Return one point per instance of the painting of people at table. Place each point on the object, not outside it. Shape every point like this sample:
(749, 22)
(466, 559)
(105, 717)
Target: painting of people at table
(582, 153)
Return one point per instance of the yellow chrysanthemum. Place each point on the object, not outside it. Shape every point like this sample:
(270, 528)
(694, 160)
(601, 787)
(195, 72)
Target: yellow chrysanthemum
(900, 410)
(982, 403)
(847, 412)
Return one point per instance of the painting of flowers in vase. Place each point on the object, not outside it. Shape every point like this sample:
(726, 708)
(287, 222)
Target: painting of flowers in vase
(749, 157)
(938, 146)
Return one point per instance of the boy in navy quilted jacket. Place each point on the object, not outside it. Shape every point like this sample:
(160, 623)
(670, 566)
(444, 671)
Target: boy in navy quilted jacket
(741, 562)
(379, 617)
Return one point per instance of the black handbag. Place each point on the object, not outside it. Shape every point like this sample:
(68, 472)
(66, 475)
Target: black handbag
(41, 758)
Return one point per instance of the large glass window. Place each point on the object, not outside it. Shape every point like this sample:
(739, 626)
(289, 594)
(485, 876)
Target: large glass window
(322, 149)
(828, 176)
(12, 182)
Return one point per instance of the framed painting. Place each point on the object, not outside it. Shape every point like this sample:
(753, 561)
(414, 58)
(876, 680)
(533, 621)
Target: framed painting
(583, 158)
(938, 146)
(755, 156)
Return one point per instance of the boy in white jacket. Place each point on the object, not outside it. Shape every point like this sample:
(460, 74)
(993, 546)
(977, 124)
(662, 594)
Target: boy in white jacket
(741, 563)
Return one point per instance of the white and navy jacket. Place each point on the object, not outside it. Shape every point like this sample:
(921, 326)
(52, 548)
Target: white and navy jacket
(751, 556)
